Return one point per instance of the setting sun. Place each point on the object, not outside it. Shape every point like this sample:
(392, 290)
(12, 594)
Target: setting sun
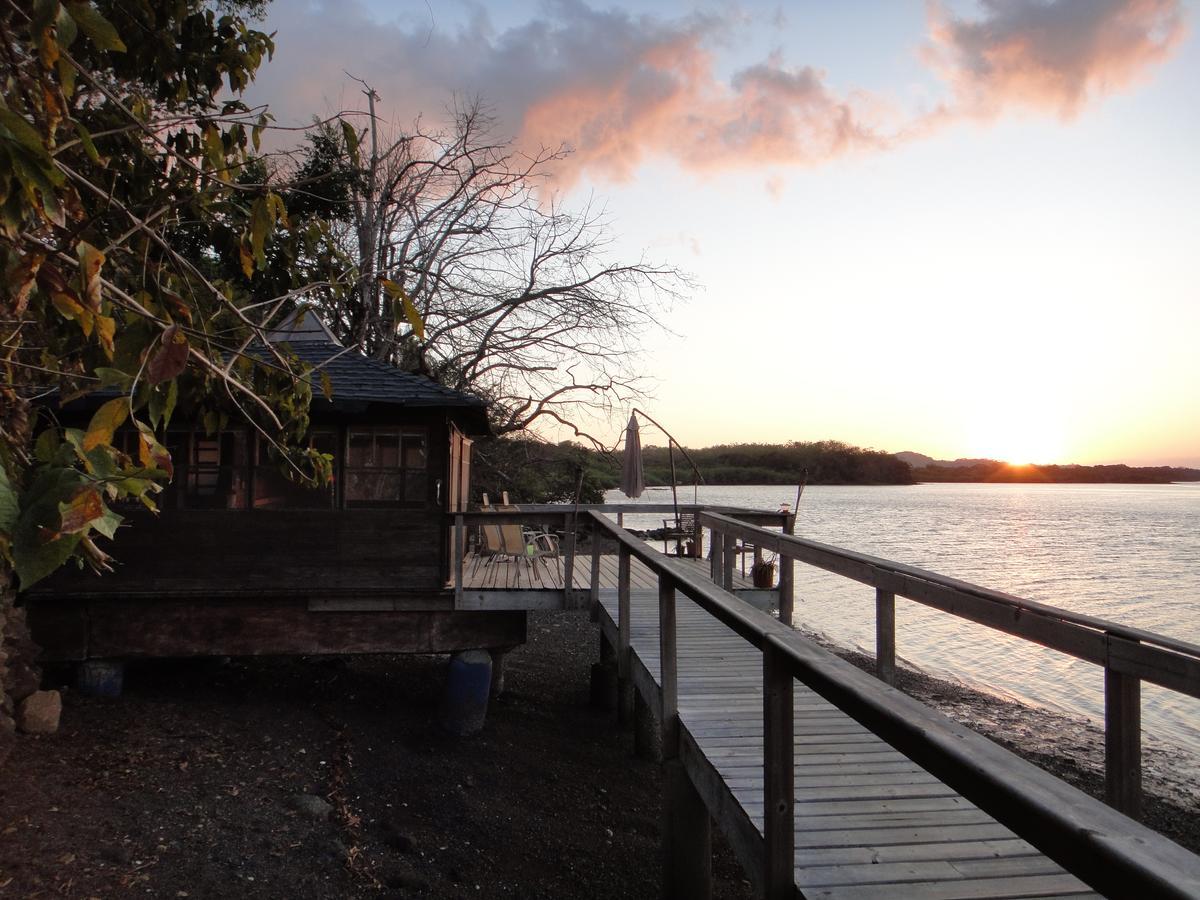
(1018, 434)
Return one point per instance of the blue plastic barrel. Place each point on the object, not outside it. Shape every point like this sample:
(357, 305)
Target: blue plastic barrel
(468, 684)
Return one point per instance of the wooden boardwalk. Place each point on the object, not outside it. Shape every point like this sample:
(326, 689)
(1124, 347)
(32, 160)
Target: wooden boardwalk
(869, 822)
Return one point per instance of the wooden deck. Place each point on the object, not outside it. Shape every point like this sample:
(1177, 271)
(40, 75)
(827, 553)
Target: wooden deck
(869, 822)
(546, 573)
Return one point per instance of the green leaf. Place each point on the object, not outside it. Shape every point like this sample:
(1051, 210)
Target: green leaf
(85, 138)
(113, 378)
(108, 523)
(169, 405)
(37, 547)
(326, 385)
(34, 559)
(67, 30)
(20, 131)
(404, 308)
(107, 419)
(46, 448)
(96, 27)
(10, 507)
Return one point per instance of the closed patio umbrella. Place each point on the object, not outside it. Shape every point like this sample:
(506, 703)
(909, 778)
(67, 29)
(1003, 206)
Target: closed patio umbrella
(633, 479)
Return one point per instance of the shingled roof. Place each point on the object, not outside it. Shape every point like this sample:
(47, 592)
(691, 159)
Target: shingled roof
(358, 380)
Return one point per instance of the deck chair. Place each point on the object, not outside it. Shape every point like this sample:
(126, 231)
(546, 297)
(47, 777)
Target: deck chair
(680, 531)
(491, 546)
(528, 545)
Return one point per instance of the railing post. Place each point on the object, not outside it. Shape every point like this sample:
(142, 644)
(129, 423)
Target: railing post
(669, 674)
(624, 675)
(787, 579)
(620, 520)
(687, 830)
(727, 556)
(885, 636)
(697, 538)
(718, 549)
(1123, 742)
(778, 774)
(569, 564)
(459, 554)
(594, 591)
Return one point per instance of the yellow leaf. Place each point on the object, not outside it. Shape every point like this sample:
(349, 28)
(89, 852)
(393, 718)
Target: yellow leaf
(247, 260)
(90, 261)
(106, 329)
(105, 422)
(402, 306)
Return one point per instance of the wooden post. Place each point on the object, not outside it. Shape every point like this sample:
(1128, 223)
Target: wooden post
(569, 564)
(687, 830)
(1123, 742)
(697, 537)
(595, 586)
(669, 675)
(620, 520)
(727, 556)
(624, 657)
(885, 636)
(778, 774)
(687, 838)
(459, 553)
(787, 576)
(718, 549)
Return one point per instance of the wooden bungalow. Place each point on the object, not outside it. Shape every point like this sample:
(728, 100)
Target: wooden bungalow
(241, 561)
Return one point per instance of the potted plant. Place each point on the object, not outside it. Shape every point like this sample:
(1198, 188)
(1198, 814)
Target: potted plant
(762, 573)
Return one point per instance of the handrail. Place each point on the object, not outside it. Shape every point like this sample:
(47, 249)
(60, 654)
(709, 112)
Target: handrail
(824, 556)
(1099, 845)
(1128, 655)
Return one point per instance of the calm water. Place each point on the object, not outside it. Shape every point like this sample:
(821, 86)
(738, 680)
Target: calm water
(1129, 553)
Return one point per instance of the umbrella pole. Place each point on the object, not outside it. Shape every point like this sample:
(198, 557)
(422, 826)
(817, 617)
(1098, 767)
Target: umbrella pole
(674, 488)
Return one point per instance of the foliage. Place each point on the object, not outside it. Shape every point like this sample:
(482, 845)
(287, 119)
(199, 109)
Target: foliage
(141, 257)
(470, 271)
(818, 462)
(991, 470)
(535, 472)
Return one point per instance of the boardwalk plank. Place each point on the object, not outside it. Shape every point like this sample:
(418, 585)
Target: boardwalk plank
(869, 821)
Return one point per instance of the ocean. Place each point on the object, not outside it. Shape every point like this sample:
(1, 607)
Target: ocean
(1128, 553)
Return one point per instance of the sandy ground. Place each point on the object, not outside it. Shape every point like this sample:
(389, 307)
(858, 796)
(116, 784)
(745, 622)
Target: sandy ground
(330, 778)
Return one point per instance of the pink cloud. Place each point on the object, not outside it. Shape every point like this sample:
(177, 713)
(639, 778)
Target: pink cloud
(1052, 56)
(619, 88)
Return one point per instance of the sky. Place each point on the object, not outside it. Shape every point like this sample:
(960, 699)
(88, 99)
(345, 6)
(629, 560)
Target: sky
(961, 228)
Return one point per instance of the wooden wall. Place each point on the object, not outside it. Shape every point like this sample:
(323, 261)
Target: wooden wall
(308, 552)
(75, 629)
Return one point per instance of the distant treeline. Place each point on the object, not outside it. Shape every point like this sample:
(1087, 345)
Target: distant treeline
(996, 471)
(535, 472)
(824, 462)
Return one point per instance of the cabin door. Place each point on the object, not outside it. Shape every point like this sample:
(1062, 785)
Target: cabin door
(459, 490)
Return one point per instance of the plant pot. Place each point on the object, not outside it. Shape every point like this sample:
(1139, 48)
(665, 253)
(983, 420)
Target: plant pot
(763, 574)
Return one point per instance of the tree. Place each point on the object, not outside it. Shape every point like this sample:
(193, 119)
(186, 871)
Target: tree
(123, 198)
(458, 232)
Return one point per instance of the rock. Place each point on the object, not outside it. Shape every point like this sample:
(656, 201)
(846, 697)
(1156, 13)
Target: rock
(39, 712)
(22, 680)
(311, 805)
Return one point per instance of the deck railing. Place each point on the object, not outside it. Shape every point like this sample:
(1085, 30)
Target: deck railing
(568, 519)
(1101, 846)
(1128, 655)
